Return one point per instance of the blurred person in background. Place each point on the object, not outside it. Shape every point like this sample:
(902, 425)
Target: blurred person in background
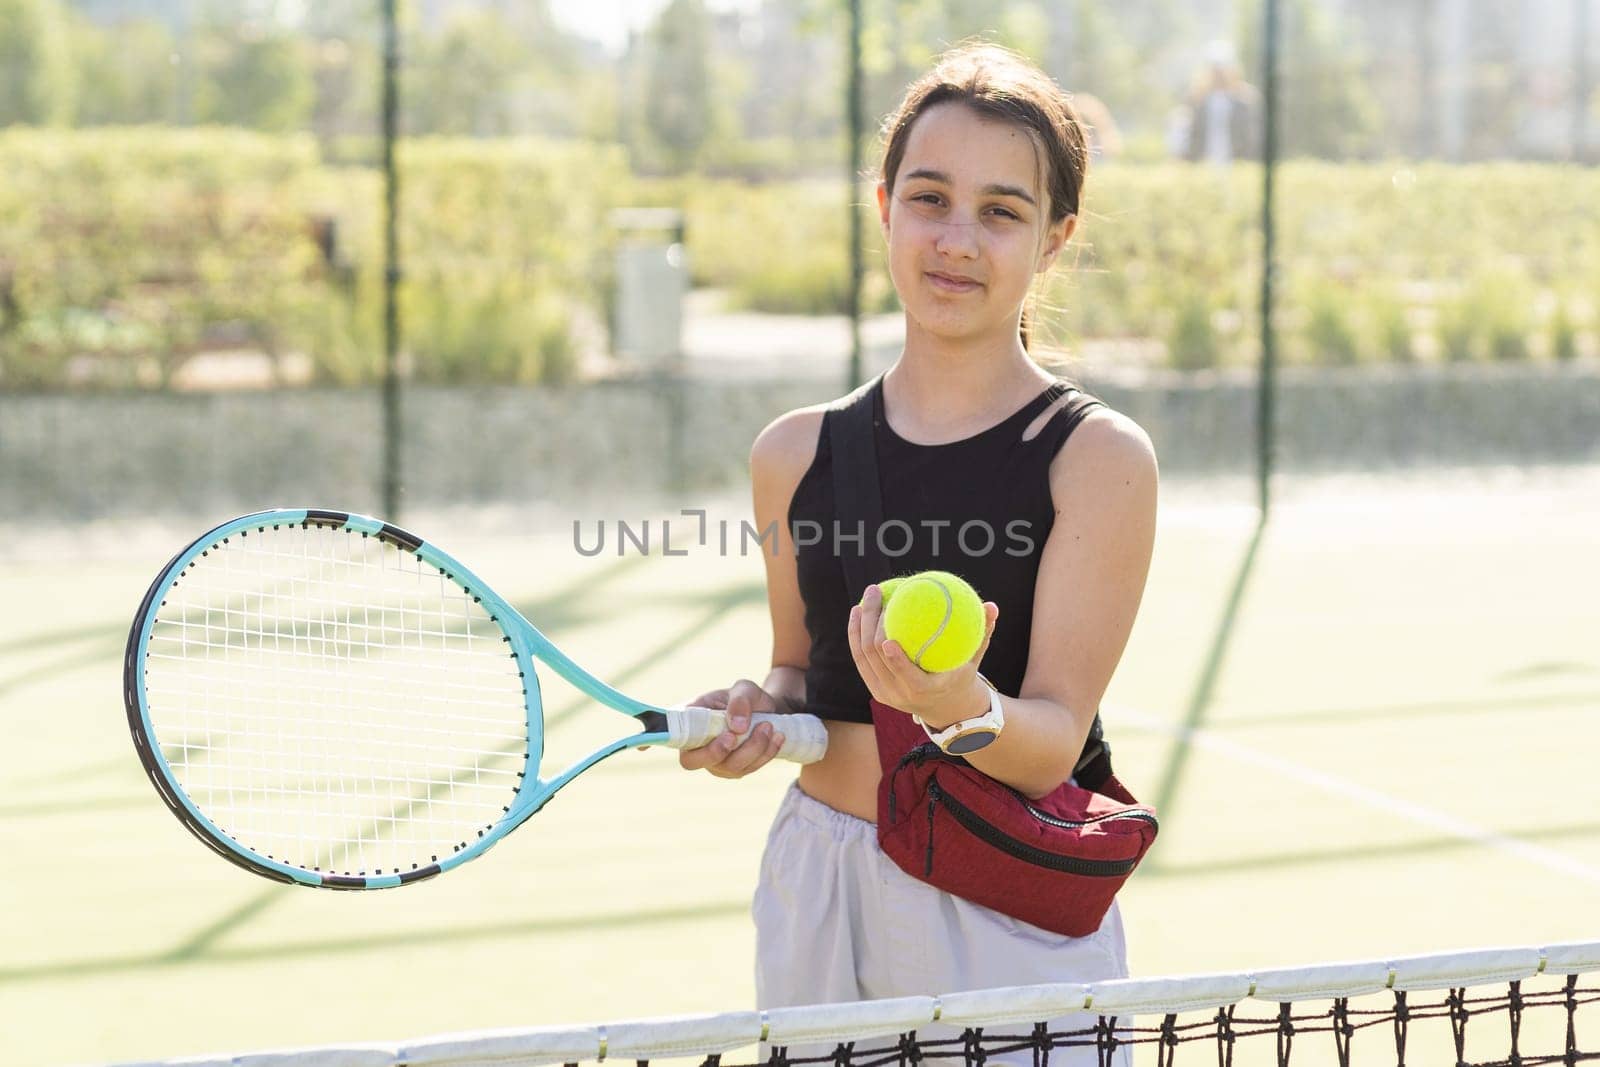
(1222, 119)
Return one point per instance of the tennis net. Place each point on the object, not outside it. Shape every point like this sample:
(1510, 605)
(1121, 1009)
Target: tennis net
(1516, 1007)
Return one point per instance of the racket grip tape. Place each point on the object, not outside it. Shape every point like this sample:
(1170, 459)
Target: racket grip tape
(805, 738)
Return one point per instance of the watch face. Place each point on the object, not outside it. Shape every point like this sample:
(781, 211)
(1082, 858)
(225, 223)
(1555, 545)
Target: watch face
(971, 742)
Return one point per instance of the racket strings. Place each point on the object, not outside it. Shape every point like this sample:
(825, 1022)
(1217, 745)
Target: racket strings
(442, 702)
(335, 702)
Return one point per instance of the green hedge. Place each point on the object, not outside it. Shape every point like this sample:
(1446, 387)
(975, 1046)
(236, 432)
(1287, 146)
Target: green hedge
(129, 243)
(124, 251)
(1376, 262)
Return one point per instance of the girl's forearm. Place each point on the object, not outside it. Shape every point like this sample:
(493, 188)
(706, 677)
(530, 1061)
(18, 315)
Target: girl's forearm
(1038, 747)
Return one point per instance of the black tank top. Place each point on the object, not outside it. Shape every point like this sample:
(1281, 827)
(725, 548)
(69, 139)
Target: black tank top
(979, 507)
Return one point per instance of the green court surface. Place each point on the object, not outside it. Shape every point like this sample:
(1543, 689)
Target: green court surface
(1369, 727)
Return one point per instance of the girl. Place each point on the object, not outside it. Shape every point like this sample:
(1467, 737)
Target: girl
(980, 191)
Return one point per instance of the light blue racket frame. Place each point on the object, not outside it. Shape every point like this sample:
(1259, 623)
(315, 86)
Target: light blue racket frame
(526, 643)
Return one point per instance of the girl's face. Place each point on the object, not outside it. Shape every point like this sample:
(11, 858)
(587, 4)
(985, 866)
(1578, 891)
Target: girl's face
(968, 223)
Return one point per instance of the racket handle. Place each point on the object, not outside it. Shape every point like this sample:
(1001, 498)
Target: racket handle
(805, 738)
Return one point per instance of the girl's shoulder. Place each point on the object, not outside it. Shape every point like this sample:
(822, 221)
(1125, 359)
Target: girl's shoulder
(787, 445)
(1106, 448)
(1111, 433)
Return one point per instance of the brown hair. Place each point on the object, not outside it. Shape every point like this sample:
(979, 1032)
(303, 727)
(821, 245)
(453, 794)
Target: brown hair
(1001, 84)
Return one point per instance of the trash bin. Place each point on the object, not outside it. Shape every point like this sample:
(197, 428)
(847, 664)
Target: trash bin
(652, 281)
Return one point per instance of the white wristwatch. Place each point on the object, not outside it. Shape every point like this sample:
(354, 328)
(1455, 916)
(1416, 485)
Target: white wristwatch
(969, 735)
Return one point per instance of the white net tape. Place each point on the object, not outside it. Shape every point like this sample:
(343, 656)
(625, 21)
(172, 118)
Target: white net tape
(866, 1032)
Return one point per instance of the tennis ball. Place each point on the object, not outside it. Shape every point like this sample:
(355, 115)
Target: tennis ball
(937, 618)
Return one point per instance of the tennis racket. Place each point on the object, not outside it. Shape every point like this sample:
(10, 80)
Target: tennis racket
(327, 700)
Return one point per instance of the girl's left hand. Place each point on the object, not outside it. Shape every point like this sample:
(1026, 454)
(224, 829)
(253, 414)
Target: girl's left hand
(937, 698)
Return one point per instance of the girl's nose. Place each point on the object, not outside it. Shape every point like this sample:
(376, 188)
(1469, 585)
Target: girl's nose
(958, 239)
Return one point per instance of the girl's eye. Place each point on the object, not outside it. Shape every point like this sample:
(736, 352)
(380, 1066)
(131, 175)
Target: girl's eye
(1007, 213)
(926, 198)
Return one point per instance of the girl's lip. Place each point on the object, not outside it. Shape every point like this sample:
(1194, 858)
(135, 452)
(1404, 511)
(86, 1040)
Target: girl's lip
(945, 281)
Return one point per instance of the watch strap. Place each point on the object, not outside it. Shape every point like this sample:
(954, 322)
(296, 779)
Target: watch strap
(985, 722)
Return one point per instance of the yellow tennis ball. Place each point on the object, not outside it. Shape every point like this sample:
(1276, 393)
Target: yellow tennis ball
(886, 590)
(937, 618)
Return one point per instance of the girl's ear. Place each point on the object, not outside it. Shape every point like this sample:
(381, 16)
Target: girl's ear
(883, 207)
(1055, 239)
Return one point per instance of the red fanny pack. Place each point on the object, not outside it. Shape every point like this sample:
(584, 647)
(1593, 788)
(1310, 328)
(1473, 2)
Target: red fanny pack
(1056, 862)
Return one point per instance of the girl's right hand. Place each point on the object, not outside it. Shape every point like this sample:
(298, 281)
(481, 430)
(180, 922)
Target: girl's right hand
(727, 756)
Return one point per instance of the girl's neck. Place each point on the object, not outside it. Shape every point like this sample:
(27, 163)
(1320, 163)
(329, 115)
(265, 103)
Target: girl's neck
(943, 389)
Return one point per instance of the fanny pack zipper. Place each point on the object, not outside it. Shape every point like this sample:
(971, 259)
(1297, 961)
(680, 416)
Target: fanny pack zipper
(990, 835)
(916, 755)
(993, 836)
(1070, 824)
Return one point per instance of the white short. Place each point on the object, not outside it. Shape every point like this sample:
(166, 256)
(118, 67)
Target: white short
(837, 921)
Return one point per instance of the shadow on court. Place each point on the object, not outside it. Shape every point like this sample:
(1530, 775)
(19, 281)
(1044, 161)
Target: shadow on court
(199, 948)
(1171, 779)
(1521, 705)
(1320, 857)
(710, 606)
(97, 654)
(554, 613)
(75, 636)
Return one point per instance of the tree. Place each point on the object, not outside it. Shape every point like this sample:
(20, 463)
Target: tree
(126, 72)
(499, 71)
(38, 85)
(462, 80)
(1099, 58)
(261, 77)
(1328, 106)
(677, 104)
